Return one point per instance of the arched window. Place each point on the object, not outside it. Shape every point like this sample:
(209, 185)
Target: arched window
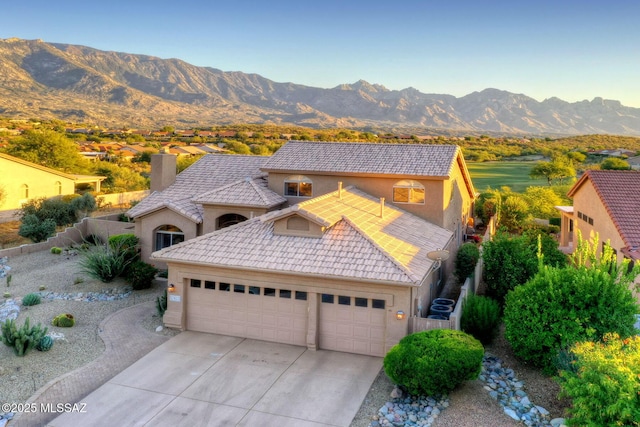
(24, 190)
(228, 220)
(57, 187)
(408, 191)
(298, 186)
(168, 235)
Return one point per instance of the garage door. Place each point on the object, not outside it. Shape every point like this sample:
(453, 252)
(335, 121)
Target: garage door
(262, 313)
(353, 325)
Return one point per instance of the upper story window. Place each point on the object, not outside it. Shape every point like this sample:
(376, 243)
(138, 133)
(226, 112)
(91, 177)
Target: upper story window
(408, 191)
(298, 186)
(24, 190)
(57, 187)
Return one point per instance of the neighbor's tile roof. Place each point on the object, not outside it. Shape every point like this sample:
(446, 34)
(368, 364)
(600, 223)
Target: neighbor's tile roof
(244, 192)
(364, 158)
(210, 172)
(619, 192)
(357, 244)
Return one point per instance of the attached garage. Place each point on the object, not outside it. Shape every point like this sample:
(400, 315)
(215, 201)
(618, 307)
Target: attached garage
(266, 314)
(352, 324)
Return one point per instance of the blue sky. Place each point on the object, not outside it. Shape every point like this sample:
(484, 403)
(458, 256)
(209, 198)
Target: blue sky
(574, 50)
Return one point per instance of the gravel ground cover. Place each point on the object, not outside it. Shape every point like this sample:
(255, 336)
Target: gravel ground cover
(21, 377)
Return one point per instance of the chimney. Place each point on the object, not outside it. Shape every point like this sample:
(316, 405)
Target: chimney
(381, 207)
(340, 190)
(163, 171)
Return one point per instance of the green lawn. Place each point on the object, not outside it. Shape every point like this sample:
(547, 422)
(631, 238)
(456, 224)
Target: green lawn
(499, 174)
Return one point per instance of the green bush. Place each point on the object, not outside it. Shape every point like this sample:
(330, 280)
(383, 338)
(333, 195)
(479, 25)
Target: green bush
(123, 242)
(510, 261)
(30, 299)
(104, 263)
(93, 239)
(64, 320)
(562, 306)
(466, 260)
(23, 339)
(36, 229)
(56, 250)
(434, 362)
(605, 387)
(140, 275)
(480, 317)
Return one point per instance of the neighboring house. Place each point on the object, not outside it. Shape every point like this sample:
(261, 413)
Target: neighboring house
(605, 202)
(22, 181)
(634, 162)
(329, 244)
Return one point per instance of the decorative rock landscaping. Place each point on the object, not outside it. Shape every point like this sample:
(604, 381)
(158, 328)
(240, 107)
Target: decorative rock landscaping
(501, 384)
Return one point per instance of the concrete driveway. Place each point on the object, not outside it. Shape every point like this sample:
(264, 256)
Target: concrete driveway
(198, 379)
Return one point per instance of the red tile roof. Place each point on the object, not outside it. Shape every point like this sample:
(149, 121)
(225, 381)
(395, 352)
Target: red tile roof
(619, 192)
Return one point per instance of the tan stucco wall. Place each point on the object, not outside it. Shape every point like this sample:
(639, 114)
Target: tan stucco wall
(587, 201)
(145, 227)
(41, 184)
(396, 297)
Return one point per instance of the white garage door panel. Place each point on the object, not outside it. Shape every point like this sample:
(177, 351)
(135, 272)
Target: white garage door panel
(245, 315)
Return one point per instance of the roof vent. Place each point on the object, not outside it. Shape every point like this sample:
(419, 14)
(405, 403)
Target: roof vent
(340, 190)
(381, 207)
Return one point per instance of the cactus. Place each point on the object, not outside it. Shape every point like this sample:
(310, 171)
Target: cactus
(45, 343)
(161, 303)
(30, 299)
(64, 320)
(56, 250)
(23, 339)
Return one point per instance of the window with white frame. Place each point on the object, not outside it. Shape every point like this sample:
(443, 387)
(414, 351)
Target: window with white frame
(298, 186)
(408, 191)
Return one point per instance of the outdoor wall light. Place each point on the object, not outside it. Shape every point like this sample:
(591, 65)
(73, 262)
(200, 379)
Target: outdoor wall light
(400, 315)
(172, 288)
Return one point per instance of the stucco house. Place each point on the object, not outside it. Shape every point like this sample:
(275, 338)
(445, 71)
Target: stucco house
(324, 245)
(22, 181)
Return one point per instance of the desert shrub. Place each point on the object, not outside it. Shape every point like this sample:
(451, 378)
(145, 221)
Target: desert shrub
(161, 303)
(36, 229)
(434, 362)
(22, 339)
(56, 250)
(45, 343)
(123, 242)
(562, 306)
(64, 320)
(605, 387)
(105, 263)
(30, 299)
(466, 260)
(140, 275)
(480, 317)
(93, 239)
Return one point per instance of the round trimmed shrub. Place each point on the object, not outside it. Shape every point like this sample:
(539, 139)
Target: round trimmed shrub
(56, 250)
(64, 320)
(466, 260)
(480, 317)
(434, 362)
(30, 299)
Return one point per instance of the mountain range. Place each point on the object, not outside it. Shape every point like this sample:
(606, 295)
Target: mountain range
(81, 84)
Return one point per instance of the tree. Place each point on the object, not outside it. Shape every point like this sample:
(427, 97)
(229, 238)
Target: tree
(119, 178)
(614, 163)
(554, 170)
(36, 229)
(50, 149)
(542, 201)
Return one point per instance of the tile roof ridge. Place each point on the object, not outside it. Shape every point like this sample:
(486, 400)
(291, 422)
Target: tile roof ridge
(412, 277)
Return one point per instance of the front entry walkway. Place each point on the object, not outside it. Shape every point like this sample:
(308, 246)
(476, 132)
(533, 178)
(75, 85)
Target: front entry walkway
(199, 379)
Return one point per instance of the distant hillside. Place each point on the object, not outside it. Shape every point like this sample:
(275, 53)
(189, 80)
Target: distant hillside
(77, 83)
